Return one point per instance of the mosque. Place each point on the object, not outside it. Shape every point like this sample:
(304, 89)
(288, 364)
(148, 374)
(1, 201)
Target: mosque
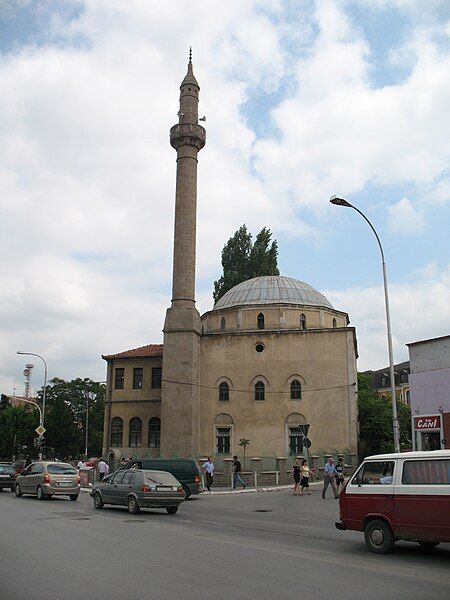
(273, 361)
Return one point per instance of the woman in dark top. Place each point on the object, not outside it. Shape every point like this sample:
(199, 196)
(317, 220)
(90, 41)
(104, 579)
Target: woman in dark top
(296, 475)
(340, 473)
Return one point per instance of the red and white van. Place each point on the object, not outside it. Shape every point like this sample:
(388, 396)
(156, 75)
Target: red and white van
(402, 496)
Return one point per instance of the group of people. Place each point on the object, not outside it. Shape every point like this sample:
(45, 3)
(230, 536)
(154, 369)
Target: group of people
(333, 475)
(208, 468)
(102, 467)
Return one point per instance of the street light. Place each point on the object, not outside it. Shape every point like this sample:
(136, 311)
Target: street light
(338, 201)
(45, 379)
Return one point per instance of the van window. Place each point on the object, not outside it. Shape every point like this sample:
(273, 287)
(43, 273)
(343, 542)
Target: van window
(375, 473)
(156, 465)
(426, 472)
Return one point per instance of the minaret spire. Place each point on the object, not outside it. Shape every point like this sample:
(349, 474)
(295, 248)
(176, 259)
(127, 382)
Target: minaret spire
(182, 328)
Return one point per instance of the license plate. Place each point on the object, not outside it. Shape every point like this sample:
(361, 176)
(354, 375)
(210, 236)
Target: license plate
(64, 483)
(4, 476)
(164, 488)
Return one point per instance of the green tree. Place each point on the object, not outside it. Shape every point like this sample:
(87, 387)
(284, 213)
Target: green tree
(17, 430)
(375, 420)
(65, 418)
(242, 260)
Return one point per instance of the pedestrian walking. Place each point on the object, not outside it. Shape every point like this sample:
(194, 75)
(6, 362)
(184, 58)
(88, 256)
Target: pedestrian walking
(208, 467)
(237, 473)
(305, 473)
(296, 475)
(340, 474)
(27, 460)
(103, 469)
(329, 476)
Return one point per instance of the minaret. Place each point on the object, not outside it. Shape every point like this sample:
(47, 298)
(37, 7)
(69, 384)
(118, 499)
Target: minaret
(182, 328)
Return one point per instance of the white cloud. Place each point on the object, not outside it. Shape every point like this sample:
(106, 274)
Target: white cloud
(87, 176)
(420, 309)
(405, 218)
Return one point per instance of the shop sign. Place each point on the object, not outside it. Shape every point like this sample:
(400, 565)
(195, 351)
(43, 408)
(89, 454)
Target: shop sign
(433, 422)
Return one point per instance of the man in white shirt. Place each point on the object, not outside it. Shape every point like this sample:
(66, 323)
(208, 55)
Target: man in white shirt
(208, 467)
(80, 464)
(103, 469)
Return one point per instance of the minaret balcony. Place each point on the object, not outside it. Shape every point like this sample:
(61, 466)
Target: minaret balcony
(187, 134)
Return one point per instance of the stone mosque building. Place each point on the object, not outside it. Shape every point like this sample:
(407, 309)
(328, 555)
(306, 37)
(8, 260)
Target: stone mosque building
(271, 361)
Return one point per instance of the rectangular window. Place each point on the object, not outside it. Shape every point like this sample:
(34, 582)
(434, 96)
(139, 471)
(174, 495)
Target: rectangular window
(223, 440)
(138, 375)
(119, 379)
(156, 377)
(295, 441)
(426, 472)
(375, 473)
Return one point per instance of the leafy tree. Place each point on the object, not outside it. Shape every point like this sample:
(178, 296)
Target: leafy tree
(65, 418)
(17, 435)
(243, 442)
(242, 260)
(375, 420)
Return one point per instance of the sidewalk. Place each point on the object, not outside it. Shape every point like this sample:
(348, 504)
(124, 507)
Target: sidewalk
(249, 489)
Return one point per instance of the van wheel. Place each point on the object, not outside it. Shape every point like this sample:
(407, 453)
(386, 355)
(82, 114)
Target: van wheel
(73, 497)
(133, 506)
(172, 509)
(40, 493)
(187, 492)
(379, 537)
(17, 491)
(428, 544)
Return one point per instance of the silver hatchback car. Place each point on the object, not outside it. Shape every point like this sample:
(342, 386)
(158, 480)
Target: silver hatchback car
(46, 479)
(139, 488)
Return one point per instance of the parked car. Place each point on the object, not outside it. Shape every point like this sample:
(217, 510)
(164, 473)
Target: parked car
(139, 488)
(402, 496)
(46, 479)
(186, 470)
(7, 476)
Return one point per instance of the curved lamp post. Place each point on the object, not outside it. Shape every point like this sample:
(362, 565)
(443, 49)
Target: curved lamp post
(341, 202)
(45, 379)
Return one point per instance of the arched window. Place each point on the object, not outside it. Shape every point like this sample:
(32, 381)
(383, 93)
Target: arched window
(296, 390)
(224, 391)
(302, 321)
(135, 433)
(222, 324)
(259, 390)
(154, 432)
(260, 321)
(116, 432)
(334, 323)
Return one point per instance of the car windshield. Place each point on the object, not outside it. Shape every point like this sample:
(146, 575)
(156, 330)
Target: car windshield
(160, 478)
(61, 469)
(7, 469)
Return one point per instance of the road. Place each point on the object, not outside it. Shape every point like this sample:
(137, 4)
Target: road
(218, 547)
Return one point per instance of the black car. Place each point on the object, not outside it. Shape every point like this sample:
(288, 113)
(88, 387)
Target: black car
(186, 470)
(7, 476)
(139, 488)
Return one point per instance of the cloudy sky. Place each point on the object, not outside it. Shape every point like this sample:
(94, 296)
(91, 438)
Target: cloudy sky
(303, 99)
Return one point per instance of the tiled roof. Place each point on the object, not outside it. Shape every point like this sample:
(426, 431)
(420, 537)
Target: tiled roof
(141, 352)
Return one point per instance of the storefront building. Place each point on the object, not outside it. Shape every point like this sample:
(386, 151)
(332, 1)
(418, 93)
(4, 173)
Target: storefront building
(430, 393)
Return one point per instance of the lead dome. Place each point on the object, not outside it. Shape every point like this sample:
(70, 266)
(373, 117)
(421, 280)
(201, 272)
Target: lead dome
(272, 290)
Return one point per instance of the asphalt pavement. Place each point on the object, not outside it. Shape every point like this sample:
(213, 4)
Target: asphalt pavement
(251, 546)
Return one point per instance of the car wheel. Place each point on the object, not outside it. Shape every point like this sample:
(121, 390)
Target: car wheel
(17, 491)
(379, 537)
(133, 506)
(40, 493)
(428, 544)
(73, 497)
(187, 492)
(98, 502)
(172, 509)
